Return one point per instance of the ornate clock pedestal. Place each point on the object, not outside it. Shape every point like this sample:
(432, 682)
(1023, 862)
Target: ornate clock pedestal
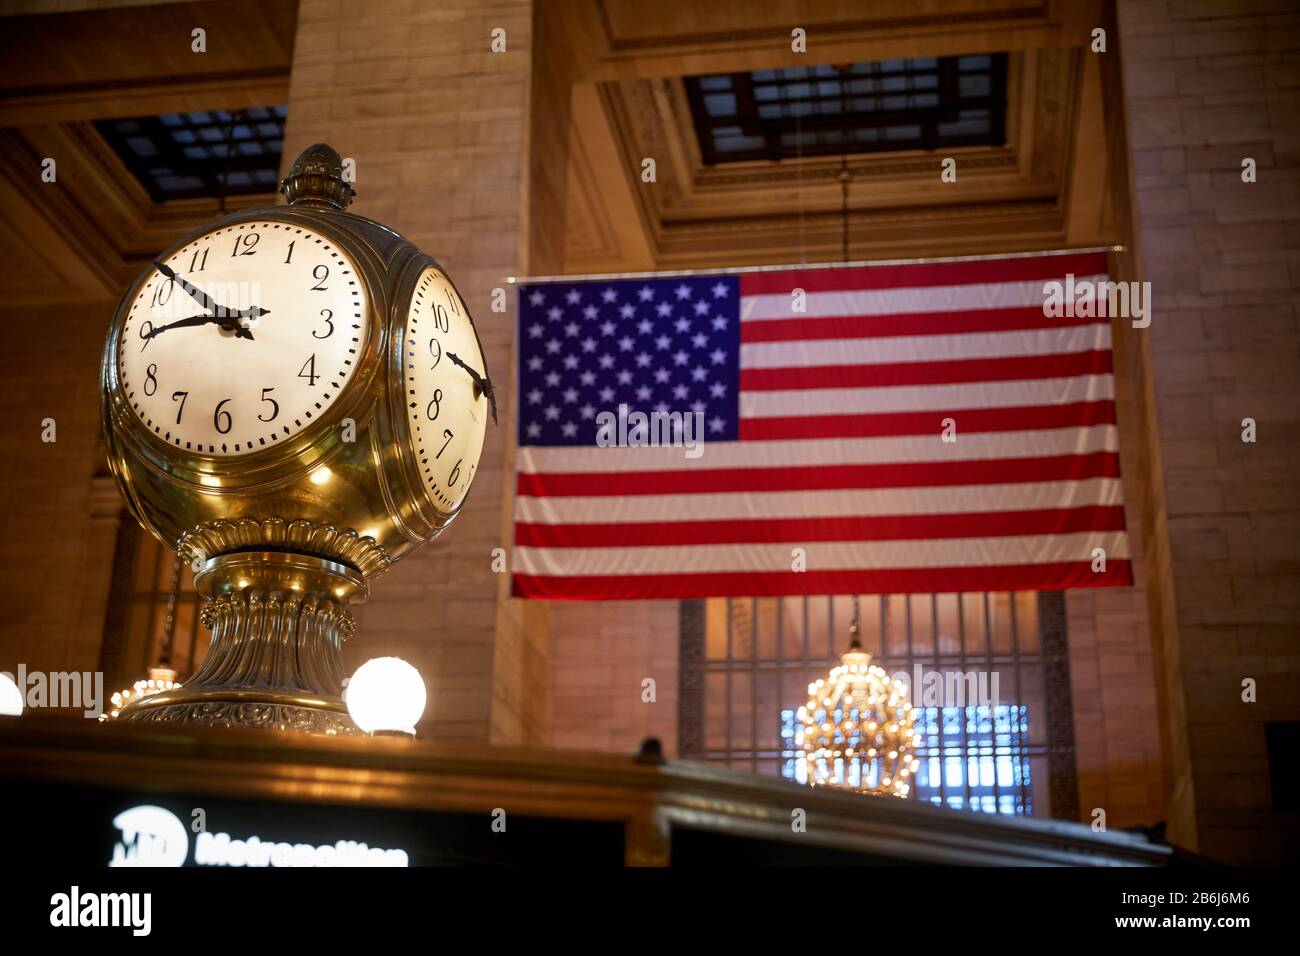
(254, 437)
(278, 620)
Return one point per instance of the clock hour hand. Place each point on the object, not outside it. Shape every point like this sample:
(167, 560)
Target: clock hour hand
(482, 384)
(202, 298)
(230, 324)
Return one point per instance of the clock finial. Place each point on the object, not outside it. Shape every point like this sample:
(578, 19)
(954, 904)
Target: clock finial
(316, 179)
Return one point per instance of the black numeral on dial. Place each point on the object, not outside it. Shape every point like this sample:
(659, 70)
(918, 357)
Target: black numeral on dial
(328, 316)
(275, 406)
(244, 243)
(308, 370)
(220, 415)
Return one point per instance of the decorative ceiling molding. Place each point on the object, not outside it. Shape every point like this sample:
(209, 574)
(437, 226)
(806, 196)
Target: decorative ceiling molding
(985, 16)
(44, 219)
(590, 236)
(824, 170)
(58, 71)
(99, 227)
(950, 230)
(1055, 106)
(629, 39)
(147, 97)
(86, 235)
(761, 211)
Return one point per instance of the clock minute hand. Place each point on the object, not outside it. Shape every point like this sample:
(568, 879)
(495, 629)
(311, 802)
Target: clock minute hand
(202, 298)
(482, 384)
(198, 295)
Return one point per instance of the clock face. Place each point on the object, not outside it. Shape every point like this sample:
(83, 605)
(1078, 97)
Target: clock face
(244, 338)
(447, 415)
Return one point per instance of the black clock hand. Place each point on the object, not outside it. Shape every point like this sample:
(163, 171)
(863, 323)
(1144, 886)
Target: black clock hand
(230, 324)
(201, 297)
(180, 323)
(198, 295)
(482, 385)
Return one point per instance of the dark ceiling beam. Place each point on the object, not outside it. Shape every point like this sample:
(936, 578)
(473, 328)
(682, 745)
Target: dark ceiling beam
(636, 40)
(136, 61)
(68, 104)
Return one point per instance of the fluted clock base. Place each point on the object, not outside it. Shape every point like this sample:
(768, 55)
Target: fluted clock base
(278, 623)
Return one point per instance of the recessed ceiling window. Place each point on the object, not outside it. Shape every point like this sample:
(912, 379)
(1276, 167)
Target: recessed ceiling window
(205, 153)
(922, 103)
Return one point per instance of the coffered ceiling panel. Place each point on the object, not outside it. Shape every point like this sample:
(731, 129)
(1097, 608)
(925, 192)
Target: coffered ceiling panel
(760, 211)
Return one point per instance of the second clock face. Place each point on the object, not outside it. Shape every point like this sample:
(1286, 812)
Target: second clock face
(244, 337)
(447, 414)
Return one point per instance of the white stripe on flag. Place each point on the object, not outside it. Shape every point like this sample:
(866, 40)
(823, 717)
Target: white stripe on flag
(821, 555)
(926, 348)
(906, 301)
(927, 398)
(1047, 443)
(846, 502)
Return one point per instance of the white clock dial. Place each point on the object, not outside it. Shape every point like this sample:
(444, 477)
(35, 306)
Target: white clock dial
(249, 340)
(447, 415)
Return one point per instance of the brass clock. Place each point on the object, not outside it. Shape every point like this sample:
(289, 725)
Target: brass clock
(230, 367)
(294, 397)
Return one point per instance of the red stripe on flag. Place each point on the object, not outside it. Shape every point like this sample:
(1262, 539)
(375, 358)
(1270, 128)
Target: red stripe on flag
(1023, 577)
(867, 278)
(995, 524)
(928, 474)
(1010, 369)
(1026, 418)
(921, 323)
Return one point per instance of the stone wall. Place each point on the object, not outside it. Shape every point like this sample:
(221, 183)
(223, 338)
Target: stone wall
(58, 522)
(600, 654)
(1207, 85)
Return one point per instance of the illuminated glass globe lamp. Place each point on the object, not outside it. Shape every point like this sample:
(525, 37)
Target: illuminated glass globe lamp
(385, 697)
(856, 728)
(11, 698)
(161, 678)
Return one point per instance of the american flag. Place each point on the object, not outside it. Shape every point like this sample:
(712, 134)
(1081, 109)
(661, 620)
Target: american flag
(867, 429)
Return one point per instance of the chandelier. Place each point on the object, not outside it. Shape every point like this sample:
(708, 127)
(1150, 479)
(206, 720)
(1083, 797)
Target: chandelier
(160, 678)
(856, 728)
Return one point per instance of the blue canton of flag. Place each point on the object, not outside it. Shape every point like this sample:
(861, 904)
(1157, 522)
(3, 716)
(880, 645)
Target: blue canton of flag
(666, 345)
